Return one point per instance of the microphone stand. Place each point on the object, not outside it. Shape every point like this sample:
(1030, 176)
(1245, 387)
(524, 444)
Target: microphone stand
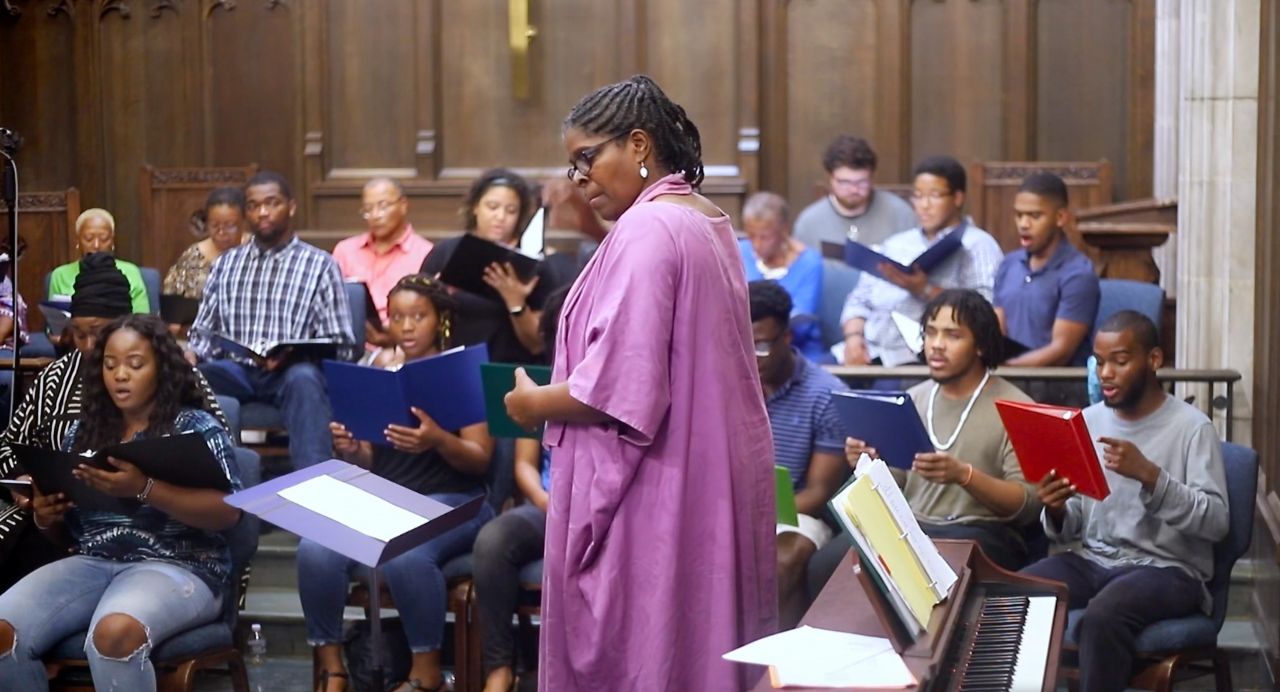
(9, 143)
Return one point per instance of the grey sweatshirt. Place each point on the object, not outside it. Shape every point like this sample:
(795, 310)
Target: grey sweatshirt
(1174, 525)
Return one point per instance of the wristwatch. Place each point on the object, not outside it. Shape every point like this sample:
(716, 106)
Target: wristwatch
(518, 310)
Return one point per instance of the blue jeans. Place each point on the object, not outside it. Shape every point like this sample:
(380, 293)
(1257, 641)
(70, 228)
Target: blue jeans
(74, 593)
(298, 392)
(1118, 603)
(416, 582)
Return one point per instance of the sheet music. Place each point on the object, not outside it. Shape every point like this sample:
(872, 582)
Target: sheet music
(910, 331)
(352, 507)
(533, 240)
(813, 657)
(841, 507)
(939, 572)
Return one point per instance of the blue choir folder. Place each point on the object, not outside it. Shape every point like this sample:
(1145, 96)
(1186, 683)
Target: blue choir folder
(858, 255)
(446, 386)
(885, 420)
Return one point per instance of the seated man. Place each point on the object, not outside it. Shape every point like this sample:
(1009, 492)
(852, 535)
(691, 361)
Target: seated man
(1147, 549)
(971, 487)
(853, 208)
(276, 288)
(388, 251)
(806, 439)
(1046, 293)
(769, 252)
(871, 337)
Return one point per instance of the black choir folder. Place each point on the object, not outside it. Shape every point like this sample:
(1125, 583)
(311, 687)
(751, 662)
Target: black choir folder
(465, 268)
(184, 460)
(260, 353)
(176, 309)
(885, 420)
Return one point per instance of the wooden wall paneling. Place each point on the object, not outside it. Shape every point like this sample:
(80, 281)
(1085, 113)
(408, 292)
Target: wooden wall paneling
(313, 60)
(748, 92)
(1020, 60)
(1085, 61)
(369, 95)
(256, 82)
(1266, 381)
(773, 102)
(1140, 97)
(827, 88)
(893, 91)
(122, 55)
(36, 48)
(957, 79)
(426, 69)
(45, 222)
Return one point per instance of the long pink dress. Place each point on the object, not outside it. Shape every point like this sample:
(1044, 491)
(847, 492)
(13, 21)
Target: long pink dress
(660, 535)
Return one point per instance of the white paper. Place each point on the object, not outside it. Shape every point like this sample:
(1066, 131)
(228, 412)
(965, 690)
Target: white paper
(896, 600)
(910, 331)
(812, 657)
(533, 240)
(937, 569)
(353, 507)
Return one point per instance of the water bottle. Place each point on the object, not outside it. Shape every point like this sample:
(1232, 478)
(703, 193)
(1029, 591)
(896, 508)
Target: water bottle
(257, 646)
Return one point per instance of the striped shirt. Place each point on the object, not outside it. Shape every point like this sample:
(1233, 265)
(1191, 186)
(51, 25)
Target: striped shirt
(44, 417)
(150, 534)
(259, 296)
(973, 266)
(803, 419)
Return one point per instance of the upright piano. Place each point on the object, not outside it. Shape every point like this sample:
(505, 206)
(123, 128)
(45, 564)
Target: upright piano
(997, 630)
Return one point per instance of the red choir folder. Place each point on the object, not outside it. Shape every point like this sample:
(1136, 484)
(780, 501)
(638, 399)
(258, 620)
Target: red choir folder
(1049, 438)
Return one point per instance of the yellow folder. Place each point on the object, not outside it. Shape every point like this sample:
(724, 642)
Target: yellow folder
(872, 516)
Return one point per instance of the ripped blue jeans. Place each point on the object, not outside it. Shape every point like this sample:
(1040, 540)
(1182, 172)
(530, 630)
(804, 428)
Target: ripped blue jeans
(73, 594)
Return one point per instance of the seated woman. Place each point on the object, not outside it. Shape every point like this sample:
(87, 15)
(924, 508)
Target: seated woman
(224, 229)
(96, 232)
(496, 209)
(445, 465)
(770, 252)
(136, 579)
(513, 540)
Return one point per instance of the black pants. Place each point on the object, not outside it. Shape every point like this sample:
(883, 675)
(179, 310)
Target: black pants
(505, 544)
(1118, 603)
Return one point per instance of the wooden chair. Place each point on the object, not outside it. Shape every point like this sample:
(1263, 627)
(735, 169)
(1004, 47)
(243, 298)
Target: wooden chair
(169, 196)
(46, 221)
(213, 645)
(1185, 647)
(994, 184)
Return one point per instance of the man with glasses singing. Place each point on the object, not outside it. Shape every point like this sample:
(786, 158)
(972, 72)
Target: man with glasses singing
(388, 251)
(853, 207)
(276, 288)
(807, 438)
(871, 336)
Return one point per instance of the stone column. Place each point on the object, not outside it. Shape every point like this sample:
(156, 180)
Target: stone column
(1217, 190)
(1164, 173)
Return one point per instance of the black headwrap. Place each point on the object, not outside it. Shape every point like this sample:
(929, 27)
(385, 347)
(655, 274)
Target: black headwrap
(101, 289)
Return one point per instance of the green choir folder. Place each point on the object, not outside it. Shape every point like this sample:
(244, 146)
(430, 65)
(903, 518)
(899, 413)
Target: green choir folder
(498, 379)
(786, 497)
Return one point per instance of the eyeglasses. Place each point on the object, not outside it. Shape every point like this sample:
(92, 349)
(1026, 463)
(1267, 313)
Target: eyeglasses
(586, 157)
(379, 209)
(230, 227)
(765, 346)
(864, 184)
(921, 197)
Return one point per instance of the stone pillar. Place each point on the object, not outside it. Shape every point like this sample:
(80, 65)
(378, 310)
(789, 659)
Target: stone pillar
(1164, 173)
(1217, 190)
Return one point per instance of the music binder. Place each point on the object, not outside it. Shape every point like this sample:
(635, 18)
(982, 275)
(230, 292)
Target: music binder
(56, 316)
(260, 352)
(885, 420)
(371, 315)
(465, 268)
(184, 460)
(446, 386)
(1048, 438)
(861, 257)
(498, 379)
(176, 309)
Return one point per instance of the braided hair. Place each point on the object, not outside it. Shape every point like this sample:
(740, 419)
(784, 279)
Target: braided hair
(640, 104)
(101, 422)
(436, 293)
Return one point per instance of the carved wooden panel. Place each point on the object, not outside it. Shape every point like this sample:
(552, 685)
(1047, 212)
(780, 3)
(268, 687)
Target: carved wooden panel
(169, 197)
(993, 185)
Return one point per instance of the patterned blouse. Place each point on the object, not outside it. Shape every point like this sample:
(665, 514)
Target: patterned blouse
(7, 297)
(44, 417)
(148, 533)
(188, 274)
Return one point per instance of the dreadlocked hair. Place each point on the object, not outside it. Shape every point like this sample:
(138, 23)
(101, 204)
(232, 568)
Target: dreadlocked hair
(101, 423)
(435, 292)
(640, 104)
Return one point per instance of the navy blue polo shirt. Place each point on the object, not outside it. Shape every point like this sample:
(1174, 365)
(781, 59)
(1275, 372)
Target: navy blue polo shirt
(1064, 289)
(803, 419)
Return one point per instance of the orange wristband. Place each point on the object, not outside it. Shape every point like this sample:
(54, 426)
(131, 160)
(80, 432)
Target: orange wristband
(968, 477)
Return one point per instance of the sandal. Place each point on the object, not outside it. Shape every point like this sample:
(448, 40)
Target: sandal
(324, 679)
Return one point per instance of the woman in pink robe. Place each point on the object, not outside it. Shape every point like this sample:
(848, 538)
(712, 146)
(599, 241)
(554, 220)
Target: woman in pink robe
(660, 533)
